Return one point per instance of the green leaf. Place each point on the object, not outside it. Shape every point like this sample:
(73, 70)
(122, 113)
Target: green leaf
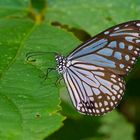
(29, 105)
(112, 126)
(82, 128)
(12, 33)
(13, 9)
(92, 15)
(115, 127)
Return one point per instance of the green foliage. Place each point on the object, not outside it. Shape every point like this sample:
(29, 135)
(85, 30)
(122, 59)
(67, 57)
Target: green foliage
(115, 127)
(92, 15)
(112, 126)
(29, 105)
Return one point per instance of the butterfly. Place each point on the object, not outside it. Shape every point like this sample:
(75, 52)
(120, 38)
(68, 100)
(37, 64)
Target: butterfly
(94, 72)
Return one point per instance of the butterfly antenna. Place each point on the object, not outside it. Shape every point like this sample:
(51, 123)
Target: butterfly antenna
(31, 54)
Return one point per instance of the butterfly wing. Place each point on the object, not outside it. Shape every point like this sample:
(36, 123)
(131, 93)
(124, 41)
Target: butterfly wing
(93, 90)
(95, 77)
(116, 48)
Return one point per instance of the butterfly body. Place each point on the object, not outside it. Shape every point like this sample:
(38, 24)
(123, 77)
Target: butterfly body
(94, 71)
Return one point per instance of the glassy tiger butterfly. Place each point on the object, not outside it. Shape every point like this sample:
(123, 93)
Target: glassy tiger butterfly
(94, 71)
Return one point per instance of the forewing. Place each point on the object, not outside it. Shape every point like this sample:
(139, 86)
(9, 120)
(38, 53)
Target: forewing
(115, 49)
(93, 90)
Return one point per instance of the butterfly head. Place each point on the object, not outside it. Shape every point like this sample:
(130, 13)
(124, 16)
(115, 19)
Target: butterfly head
(61, 63)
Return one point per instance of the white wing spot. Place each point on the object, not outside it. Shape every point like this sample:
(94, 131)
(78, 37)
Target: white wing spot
(112, 79)
(107, 32)
(126, 25)
(96, 105)
(116, 102)
(97, 111)
(132, 62)
(135, 52)
(133, 58)
(113, 76)
(130, 47)
(120, 84)
(92, 98)
(102, 109)
(114, 91)
(121, 66)
(100, 104)
(99, 97)
(90, 110)
(107, 108)
(121, 91)
(111, 103)
(116, 28)
(83, 109)
(116, 87)
(118, 96)
(138, 24)
(113, 98)
(105, 103)
(137, 41)
(119, 79)
(108, 97)
(93, 110)
(127, 57)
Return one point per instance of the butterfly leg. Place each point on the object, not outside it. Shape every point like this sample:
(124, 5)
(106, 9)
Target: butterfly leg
(45, 76)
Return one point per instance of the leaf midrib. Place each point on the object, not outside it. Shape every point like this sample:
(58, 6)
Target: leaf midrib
(18, 51)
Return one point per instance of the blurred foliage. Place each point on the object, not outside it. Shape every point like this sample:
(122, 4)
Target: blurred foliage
(112, 126)
(29, 105)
